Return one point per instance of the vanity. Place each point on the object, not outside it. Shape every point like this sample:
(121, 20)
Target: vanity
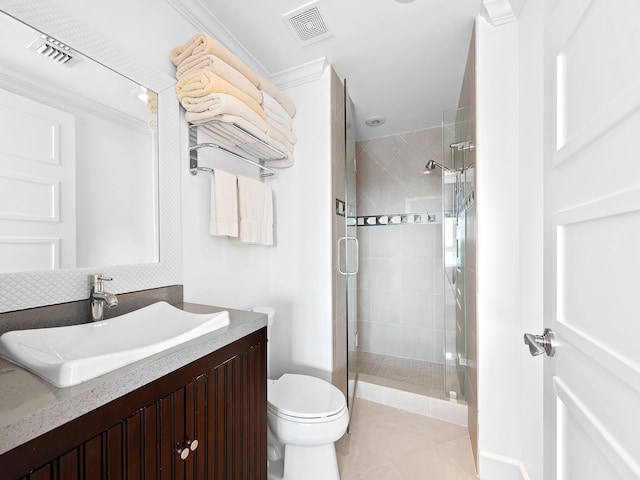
(195, 411)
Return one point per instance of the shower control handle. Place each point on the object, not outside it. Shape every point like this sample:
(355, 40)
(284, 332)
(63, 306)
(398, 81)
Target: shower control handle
(539, 344)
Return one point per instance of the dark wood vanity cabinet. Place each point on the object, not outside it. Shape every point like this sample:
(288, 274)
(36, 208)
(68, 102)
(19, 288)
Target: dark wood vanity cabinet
(206, 420)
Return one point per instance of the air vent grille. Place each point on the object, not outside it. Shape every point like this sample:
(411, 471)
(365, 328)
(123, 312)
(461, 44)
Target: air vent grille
(307, 24)
(55, 50)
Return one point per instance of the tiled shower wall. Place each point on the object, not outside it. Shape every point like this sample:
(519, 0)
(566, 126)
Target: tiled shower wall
(400, 284)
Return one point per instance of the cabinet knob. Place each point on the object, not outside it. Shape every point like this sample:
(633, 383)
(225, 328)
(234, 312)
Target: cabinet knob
(193, 444)
(184, 453)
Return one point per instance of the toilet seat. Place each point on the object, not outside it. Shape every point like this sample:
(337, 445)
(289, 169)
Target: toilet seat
(304, 398)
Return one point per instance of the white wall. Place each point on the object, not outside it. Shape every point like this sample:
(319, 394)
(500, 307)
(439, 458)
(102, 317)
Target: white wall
(113, 228)
(510, 207)
(216, 271)
(300, 263)
(531, 154)
(499, 333)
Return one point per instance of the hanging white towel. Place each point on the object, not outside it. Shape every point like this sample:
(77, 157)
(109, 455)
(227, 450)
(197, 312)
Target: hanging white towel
(255, 207)
(224, 204)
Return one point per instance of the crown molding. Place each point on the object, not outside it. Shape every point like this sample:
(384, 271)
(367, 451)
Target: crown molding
(499, 12)
(305, 73)
(21, 84)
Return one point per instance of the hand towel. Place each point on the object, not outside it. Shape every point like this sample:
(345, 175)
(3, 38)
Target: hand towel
(206, 61)
(202, 42)
(224, 204)
(255, 208)
(269, 104)
(204, 82)
(278, 96)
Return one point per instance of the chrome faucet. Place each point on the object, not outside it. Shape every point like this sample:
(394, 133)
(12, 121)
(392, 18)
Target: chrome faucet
(99, 297)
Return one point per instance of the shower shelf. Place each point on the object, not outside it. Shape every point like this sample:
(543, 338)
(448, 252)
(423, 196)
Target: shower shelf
(243, 140)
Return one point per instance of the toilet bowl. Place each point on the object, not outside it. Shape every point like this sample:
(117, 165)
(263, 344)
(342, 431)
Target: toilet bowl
(305, 417)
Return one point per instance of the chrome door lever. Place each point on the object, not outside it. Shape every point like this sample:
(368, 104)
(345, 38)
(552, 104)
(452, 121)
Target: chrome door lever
(539, 344)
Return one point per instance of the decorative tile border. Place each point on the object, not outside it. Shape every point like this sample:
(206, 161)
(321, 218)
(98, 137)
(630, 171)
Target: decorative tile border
(388, 219)
(399, 219)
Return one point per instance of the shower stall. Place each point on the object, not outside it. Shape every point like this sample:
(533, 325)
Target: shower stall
(411, 336)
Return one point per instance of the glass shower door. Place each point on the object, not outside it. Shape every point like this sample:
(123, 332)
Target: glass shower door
(351, 250)
(458, 194)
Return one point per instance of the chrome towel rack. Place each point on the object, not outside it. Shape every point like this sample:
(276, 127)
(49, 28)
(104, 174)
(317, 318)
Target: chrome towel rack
(194, 146)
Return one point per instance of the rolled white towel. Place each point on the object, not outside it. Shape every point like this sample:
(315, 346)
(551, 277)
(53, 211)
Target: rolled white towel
(275, 110)
(277, 94)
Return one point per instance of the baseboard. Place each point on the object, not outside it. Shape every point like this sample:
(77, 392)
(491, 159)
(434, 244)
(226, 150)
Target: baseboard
(499, 467)
(446, 410)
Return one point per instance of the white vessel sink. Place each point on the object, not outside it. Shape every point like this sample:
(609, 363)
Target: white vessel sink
(67, 356)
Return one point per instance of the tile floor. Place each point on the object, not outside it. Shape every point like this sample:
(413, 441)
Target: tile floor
(417, 376)
(386, 443)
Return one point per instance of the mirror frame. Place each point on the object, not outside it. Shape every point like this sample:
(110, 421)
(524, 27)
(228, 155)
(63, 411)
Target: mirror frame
(19, 291)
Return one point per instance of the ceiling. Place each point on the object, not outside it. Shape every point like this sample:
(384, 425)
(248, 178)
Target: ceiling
(403, 61)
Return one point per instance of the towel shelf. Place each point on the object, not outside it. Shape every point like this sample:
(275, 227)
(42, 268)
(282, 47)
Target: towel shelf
(246, 141)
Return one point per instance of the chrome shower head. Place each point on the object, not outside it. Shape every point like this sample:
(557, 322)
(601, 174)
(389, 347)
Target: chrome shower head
(431, 166)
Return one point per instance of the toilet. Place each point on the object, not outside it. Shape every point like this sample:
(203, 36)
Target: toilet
(305, 417)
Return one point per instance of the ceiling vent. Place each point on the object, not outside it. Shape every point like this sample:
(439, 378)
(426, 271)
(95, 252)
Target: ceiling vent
(307, 24)
(55, 50)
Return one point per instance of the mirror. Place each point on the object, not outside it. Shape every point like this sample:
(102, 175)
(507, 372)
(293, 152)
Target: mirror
(101, 190)
(78, 158)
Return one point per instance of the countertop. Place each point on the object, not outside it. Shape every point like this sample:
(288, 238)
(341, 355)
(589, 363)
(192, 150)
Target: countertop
(31, 406)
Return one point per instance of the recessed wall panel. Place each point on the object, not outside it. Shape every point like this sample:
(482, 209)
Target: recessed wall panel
(18, 129)
(29, 254)
(579, 456)
(28, 198)
(596, 88)
(580, 282)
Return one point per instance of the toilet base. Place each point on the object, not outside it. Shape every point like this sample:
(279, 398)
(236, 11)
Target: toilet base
(308, 463)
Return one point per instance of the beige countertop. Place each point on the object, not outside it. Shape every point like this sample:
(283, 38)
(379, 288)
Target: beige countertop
(31, 406)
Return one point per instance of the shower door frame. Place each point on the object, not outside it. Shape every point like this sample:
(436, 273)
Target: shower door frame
(351, 250)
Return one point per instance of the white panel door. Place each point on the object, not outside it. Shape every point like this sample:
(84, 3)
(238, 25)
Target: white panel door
(37, 186)
(592, 250)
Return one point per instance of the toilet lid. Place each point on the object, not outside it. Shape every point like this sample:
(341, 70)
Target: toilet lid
(303, 396)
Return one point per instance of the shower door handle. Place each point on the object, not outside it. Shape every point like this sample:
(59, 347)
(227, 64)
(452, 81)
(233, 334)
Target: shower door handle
(346, 271)
(539, 344)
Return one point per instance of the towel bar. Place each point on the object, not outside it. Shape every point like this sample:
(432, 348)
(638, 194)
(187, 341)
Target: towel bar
(194, 146)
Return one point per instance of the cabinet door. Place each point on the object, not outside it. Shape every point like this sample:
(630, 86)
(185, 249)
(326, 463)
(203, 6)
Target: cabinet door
(125, 450)
(236, 417)
(187, 435)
